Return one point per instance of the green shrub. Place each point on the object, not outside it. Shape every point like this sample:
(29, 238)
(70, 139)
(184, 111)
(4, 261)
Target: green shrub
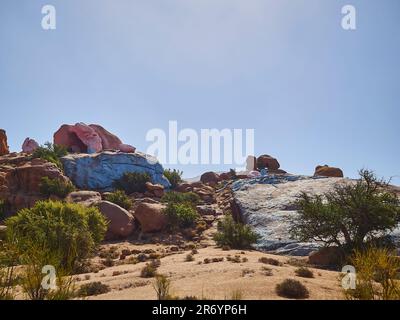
(235, 235)
(120, 198)
(292, 289)
(189, 257)
(93, 289)
(177, 197)
(70, 229)
(51, 152)
(304, 272)
(162, 287)
(55, 187)
(350, 215)
(180, 215)
(131, 182)
(377, 276)
(271, 261)
(149, 271)
(174, 177)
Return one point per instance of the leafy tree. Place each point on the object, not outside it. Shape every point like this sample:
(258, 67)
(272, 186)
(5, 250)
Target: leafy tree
(174, 177)
(349, 216)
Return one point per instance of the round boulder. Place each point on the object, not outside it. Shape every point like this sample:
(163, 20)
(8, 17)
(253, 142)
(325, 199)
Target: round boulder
(266, 161)
(150, 217)
(121, 222)
(326, 171)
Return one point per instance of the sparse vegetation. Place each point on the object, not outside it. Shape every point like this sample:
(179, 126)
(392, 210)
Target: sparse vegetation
(57, 227)
(189, 258)
(377, 275)
(304, 272)
(131, 182)
(271, 261)
(120, 198)
(237, 294)
(52, 153)
(162, 287)
(55, 187)
(174, 177)
(350, 216)
(292, 289)
(93, 289)
(173, 197)
(180, 215)
(148, 271)
(266, 271)
(235, 235)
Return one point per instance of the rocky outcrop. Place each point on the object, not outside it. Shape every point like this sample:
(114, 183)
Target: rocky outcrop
(154, 190)
(251, 163)
(150, 217)
(99, 171)
(210, 177)
(266, 161)
(3, 143)
(326, 171)
(121, 222)
(29, 145)
(85, 198)
(82, 138)
(20, 178)
(267, 205)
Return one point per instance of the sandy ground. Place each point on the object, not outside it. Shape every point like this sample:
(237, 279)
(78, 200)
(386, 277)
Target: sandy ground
(216, 280)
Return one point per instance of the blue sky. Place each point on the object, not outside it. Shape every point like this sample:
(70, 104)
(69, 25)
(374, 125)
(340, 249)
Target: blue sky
(313, 92)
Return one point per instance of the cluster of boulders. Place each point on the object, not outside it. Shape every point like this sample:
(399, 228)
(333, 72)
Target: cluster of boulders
(82, 138)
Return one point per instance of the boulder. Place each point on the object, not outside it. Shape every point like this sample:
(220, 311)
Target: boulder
(156, 189)
(251, 163)
(3, 143)
(326, 171)
(29, 145)
(327, 256)
(266, 161)
(20, 179)
(82, 138)
(210, 177)
(121, 221)
(85, 198)
(99, 171)
(150, 217)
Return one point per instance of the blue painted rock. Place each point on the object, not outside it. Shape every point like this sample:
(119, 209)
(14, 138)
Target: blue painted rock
(98, 171)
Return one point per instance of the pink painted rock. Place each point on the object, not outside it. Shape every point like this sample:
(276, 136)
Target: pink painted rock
(82, 138)
(108, 140)
(29, 145)
(88, 136)
(67, 138)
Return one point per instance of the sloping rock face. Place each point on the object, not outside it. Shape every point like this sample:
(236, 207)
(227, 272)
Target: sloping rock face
(3, 143)
(99, 171)
(266, 204)
(20, 179)
(82, 138)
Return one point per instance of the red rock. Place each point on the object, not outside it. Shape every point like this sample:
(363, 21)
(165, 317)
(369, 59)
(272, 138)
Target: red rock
(3, 143)
(29, 145)
(108, 140)
(121, 222)
(326, 171)
(210, 177)
(88, 136)
(266, 161)
(126, 148)
(67, 138)
(150, 217)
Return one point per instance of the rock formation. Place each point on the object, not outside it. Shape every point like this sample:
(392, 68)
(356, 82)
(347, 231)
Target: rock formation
(266, 161)
(326, 171)
(99, 171)
(82, 138)
(150, 217)
(121, 222)
(210, 177)
(3, 143)
(20, 178)
(29, 145)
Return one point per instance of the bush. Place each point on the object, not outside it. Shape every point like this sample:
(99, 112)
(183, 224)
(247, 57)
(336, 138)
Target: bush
(131, 182)
(292, 289)
(70, 229)
(350, 215)
(174, 177)
(149, 271)
(120, 198)
(235, 235)
(177, 197)
(51, 152)
(377, 275)
(270, 261)
(55, 187)
(180, 215)
(162, 287)
(93, 289)
(189, 257)
(304, 272)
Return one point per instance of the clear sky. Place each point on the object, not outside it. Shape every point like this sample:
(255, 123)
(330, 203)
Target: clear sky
(313, 92)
